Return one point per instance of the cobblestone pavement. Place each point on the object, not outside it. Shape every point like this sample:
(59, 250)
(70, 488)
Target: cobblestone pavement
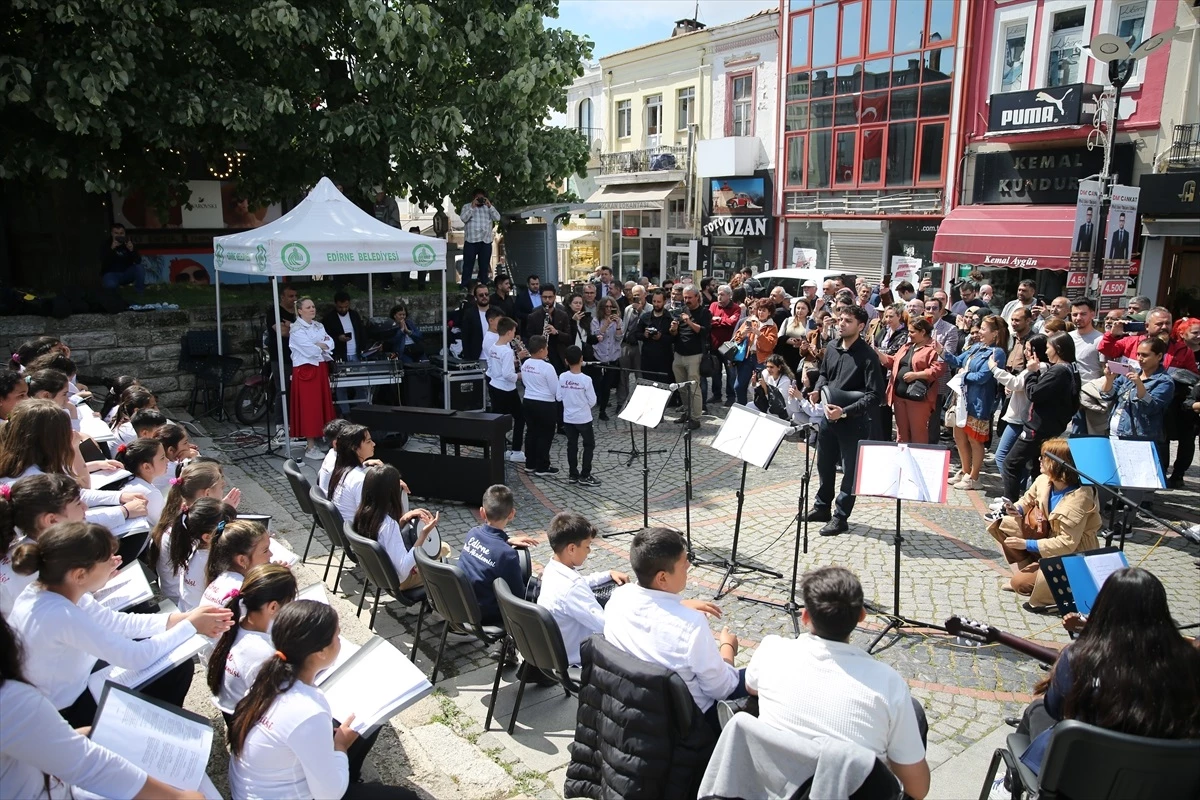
(949, 564)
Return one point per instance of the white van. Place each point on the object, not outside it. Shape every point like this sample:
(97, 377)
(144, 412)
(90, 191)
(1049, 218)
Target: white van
(792, 279)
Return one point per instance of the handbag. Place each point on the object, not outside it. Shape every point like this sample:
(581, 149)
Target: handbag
(917, 390)
(728, 350)
(709, 365)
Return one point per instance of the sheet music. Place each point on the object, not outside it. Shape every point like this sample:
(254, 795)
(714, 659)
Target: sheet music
(374, 684)
(1137, 464)
(282, 554)
(171, 745)
(131, 526)
(135, 678)
(736, 428)
(107, 477)
(95, 428)
(902, 472)
(1101, 565)
(127, 588)
(750, 435)
(349, 648)
(646, 406)
(315, 591)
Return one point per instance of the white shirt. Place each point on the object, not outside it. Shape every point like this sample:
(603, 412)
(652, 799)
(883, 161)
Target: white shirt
(348, 494)
(303, 343)
(577, 395)
(104, 507)
(489, 341)
(154, 498)
(36, 741)
(250, 651)
(403, 559)
(326, 470)
(501, 367)
(348, 327)
(163, 482)
(289, 754)
(63, 640)
(814, 687)
(656, 627)
(12, 584)
(215, 593)
(168, 577)
(540, 379)
(125, 433)
(1088, 359)
(192, 582)
(568, 596)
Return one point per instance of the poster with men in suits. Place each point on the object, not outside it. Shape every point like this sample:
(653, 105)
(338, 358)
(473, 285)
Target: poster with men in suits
(1122, 214)
(1087, 217)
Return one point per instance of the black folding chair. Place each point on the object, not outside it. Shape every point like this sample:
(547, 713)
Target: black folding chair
(301, 488)
(539, 641)
(1085, 761)
(380, 570)
(331, 521)
(450, 595)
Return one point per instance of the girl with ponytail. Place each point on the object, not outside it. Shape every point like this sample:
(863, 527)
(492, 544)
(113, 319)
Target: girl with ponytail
(147, 461)
(242, 650)
(355, 452)
(179, 450)
(65, 630)
(236, 549)
(28, 507)
(116, 388)
(133, 400)
(192, 536)
(195, 481)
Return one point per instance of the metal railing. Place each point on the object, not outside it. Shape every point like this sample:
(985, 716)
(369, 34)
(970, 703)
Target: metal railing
(1185, 147)
(648, 160)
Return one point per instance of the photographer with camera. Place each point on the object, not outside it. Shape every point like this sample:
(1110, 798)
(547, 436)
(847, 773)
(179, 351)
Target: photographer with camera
(654, 332)
(120, 262)
(479, 217)
(690, 326)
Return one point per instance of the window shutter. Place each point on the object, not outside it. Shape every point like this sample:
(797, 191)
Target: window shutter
(858, 253)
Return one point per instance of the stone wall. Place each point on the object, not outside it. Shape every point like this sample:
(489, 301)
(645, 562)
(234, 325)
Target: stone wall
(146, 343)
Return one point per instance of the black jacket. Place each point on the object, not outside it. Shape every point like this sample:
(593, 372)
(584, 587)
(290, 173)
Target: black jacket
(655, 348)
(854, 370)
(506, 304)
(535, 323)
(687, 341)
(523, 306)
(333, 326)
(1053, 395)
(638, 733)
(472, 332)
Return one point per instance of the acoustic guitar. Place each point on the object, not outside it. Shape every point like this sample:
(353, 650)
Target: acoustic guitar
(986, 634)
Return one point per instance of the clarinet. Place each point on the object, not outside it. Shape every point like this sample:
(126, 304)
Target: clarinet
(546, 324)
(516, 346)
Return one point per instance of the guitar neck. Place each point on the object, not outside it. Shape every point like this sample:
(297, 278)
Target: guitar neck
(1047, 655)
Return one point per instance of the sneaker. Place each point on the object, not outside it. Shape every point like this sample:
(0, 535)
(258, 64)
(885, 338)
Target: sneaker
(546, 472)
(998, 791)
(515, 456)
(589, 481)
(573, 479)
(314, 454)
(604, 416)
(969, 484)
(955, 478)
(528, 470)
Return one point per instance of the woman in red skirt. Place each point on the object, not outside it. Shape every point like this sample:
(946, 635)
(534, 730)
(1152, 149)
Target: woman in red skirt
(312, 401)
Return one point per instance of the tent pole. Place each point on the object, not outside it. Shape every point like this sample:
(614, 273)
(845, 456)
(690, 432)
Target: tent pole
(220, 344)
(370, 295)
(445, 340)
(283, 387)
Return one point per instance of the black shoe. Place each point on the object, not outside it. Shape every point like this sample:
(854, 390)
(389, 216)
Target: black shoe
(679, 420)
(531, 674)
(834, 527)
(573, 479)
(603, 416)
(819, 515)
(546, 472)
(589, 481)
(693, 424)
(1175, 483)
(729, 402)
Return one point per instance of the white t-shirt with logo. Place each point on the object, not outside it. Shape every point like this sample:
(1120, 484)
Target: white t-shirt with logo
(576, 393)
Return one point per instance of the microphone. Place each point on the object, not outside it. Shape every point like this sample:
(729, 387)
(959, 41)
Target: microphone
(677, 386)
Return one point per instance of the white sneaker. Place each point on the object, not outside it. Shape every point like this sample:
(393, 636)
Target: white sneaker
(515, 456)
(314, 454)
(998, 791)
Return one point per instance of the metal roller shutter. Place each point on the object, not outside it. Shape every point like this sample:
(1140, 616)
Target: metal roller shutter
(858, 253)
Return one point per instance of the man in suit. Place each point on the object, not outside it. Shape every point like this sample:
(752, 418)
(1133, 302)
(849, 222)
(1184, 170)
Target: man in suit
(1083, 242)
(551, 320)
(503, 298)
(473, 322)
(1118, 248)
(527, 301)
(345, 326)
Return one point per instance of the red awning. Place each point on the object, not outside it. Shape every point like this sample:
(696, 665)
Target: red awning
(1031, 237)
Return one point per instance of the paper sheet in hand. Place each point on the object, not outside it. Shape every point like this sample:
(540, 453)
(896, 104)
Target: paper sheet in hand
(349, 648)
(1117, 462)
(131, 526)
(374, 684)
(95, 428)
(169, 743)
(902, 471)
(314, 591)
(752, 436)
(646, 406)
(137, 678)
(107, 477)
(127, 588)
(281, 554)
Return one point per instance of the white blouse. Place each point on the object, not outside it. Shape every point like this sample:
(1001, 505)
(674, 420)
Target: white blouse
(403, 559)
(215, 593)
(303, 343)
(12, 584)
(348, 494)
(289, 754)
(192, 582)
(250, 651)
(168, 577)
(104, 507)
(154, 498)
(35, 741)
(63, 640)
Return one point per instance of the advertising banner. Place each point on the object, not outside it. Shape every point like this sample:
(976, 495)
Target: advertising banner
(1122, 214)
(906, 268)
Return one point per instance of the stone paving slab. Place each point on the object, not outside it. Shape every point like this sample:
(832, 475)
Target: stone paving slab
(949, 564)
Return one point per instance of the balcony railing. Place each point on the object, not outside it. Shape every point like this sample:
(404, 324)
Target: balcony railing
(1185, 147)
(650, 160)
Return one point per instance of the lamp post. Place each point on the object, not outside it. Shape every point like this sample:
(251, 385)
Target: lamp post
(1113, 50)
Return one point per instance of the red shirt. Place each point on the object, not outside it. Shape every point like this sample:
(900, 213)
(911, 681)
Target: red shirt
(724, 323)
(1178, 353)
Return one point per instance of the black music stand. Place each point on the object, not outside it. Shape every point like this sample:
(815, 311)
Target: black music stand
(633, 453)
(754, 438)
(645, 408)
(913, 472)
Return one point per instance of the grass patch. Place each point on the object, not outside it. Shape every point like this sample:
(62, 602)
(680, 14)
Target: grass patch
(527, 781)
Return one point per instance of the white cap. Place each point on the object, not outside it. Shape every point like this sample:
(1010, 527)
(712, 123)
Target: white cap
(810, 282)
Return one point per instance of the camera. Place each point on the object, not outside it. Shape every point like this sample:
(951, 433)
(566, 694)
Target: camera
(479, 201)
(650, 331)
(120, 239)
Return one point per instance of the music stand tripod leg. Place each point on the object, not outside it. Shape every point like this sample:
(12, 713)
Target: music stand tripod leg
(897, 621)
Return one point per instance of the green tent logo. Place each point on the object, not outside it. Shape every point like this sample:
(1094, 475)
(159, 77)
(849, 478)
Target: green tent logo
(260, 258)
(294, 256)
(423, 255)
(219, 256)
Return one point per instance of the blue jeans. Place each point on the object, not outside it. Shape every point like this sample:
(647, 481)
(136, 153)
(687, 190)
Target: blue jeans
(745, 377)
(135, 274)
(472, 251)
(1011, 432)
(730, 371)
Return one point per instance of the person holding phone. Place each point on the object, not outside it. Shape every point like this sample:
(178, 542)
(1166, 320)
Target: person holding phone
(607, 330)
(1140, 397)
(120, 262)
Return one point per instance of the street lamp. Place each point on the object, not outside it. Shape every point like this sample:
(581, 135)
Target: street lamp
(1108, 48)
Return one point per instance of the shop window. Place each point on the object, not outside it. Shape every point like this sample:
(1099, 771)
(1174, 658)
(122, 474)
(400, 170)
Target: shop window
(825, 35)
(844, 169)
(651, 219)
(1012, 71)
(741, 105)
(874, 108)
(906, 70)
(1131, 22)
(879, 34)
(1065, 54)
(851, 41)
(822, 114)
(798, 86)
(939, 65)
(624, 119)
(795, 161)
(805, 240)
(941, 21)
(935, 100)
(796, 117)
(819, 156)
(1127, 19)
(685, 107)
(910, 25)
(799, 41)
(823, 83)
(871, 166)
(933, 147)
(904, 104)
(901, 153)
(678, 240)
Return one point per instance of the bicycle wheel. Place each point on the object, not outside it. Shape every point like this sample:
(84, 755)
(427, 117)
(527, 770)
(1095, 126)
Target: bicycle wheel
(250, 405)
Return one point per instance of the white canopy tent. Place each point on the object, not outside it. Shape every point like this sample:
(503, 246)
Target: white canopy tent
(325, 234)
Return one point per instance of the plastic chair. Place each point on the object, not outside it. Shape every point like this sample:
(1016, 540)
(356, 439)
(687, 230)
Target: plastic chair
(331, 520)
(539, 641)
(451, 595)
(1085, 761)
(380, 570)
(300, 488)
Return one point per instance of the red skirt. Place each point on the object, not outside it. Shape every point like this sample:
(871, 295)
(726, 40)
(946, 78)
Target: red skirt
(311, 404)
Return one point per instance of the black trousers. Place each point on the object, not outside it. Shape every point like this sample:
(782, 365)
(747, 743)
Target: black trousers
(886, 415)
(541, 418)
(609, 379)
(509, 402)
(574, 432)
(839, 441)
(170, 687)
(1023, 459)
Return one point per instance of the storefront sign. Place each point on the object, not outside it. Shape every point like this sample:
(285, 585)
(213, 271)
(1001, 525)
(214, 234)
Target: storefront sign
(1171, 194)
(1076, 285)
(1047, 176)
(630, 231)
(737, 226)
(1053, 107)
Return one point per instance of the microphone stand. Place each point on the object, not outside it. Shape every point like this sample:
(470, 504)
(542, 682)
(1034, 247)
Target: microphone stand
(633, 451)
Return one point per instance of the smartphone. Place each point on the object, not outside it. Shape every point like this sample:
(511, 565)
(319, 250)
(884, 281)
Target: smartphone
(1041, 299)
(1133, 326)
(1118, 367)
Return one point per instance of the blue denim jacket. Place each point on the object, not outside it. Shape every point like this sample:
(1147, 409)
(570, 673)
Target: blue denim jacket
(980, 384)
(1141, 417)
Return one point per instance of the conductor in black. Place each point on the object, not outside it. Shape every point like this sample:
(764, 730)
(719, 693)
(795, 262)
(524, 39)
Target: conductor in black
(850, 385)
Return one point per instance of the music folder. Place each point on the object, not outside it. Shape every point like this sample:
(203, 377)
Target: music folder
(1129, 463)
(1075, 580)
(902, 471)
(646, 406)
(750, 435)
(125, 589)
(374, 684)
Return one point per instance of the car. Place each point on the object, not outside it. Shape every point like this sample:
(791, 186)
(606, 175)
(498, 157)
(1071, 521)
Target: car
(793, 279)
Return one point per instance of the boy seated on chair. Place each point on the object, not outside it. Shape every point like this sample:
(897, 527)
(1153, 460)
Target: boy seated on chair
(565, 593)
(649, 620)
(821, 685)
(488, 552)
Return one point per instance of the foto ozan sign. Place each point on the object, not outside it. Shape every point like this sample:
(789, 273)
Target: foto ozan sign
(737, 226)
(1053, 107)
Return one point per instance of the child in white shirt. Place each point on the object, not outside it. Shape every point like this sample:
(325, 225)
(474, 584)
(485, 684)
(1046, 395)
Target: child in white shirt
(502, 375)
(28, 507)
(147, 461)
(540, 407)
(576, 393)
(188, 548)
